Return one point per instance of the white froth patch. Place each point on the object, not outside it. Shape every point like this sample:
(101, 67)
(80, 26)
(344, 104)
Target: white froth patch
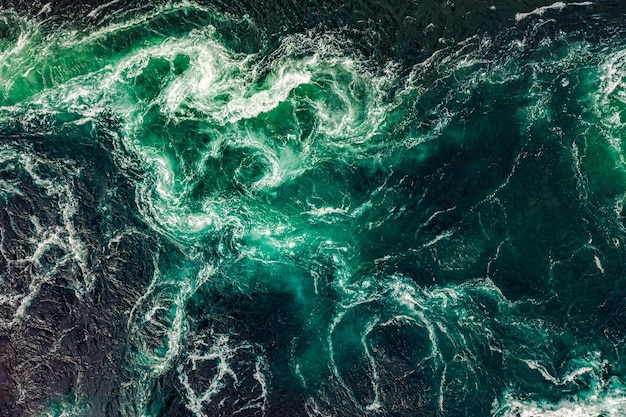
(209, 83)
(96, 11)
(415, 307)
(612, 406)
(613, 71)
(555, 6)
(326, 211)
(598, 264)
(223, 353)
(45, 9)
(264, 101)
(44, 238)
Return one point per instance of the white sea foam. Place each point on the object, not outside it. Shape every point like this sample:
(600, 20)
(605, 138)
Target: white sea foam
(376, 403)
(611, 405)
(609, 102)
(44, 239)
(219, 350)
(63, 193)
(220, 88)
(99, 9)
(411, 306)
(558, 6)
(223, 91)
(9, 188)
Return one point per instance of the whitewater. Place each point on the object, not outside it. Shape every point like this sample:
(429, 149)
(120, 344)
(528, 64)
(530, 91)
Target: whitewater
(203, 215)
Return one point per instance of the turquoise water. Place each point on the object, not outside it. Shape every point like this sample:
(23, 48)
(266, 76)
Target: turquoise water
(201, 216)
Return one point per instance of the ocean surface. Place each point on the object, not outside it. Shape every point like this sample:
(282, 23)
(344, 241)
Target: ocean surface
(316, 208)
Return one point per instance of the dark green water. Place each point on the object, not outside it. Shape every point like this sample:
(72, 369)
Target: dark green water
(324, 210)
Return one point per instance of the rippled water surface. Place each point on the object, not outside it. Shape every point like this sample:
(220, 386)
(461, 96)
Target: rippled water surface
(317, 209)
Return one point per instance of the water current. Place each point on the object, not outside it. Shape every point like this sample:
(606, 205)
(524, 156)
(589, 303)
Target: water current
(325, 209)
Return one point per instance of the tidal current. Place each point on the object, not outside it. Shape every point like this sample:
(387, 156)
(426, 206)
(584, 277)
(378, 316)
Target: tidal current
(318, 209)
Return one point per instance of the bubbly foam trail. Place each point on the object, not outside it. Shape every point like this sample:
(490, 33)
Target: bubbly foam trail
(46, 238)
(225, 355)
(559, 6)
(598, 403)
(219, 90)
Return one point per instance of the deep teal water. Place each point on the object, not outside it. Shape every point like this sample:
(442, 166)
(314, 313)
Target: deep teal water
(213, 210)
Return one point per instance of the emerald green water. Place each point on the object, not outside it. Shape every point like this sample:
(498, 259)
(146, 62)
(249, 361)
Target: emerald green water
(200, 219)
